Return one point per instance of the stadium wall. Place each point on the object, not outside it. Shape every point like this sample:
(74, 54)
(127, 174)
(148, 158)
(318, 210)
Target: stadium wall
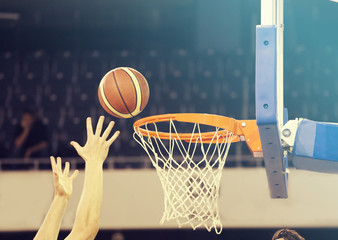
(133, 200)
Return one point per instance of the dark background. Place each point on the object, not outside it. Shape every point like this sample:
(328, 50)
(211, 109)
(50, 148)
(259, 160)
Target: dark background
(198, 56)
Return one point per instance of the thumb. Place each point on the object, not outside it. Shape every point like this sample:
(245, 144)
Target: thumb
(77, 146)
(74, 175)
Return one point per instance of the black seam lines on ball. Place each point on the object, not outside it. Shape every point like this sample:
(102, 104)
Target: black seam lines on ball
(118, 89)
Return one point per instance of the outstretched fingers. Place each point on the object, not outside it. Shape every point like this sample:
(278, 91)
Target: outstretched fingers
(58, 165)
(99, 126)
(66, 170)
(108, 130)
(52, 162)
(112, 139)
(89, 127)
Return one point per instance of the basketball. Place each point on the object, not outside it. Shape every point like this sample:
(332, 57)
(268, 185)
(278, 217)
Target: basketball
(123, 92)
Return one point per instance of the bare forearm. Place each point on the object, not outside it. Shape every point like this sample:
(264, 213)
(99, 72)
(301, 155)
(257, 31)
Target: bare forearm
(38, 147)
(51, 225)
(91, 200)
(89, 209)
(94, 153)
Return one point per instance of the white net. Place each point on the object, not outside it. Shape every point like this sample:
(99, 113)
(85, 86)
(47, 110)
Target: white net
(190, 173)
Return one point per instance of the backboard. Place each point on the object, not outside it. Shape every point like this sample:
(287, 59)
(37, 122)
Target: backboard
(270, 113)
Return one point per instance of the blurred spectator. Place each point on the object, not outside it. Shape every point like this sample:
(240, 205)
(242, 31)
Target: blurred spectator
(287, 234)
(117, 236)
(31, 138)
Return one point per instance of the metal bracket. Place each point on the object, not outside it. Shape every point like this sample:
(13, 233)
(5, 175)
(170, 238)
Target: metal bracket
(288, 133)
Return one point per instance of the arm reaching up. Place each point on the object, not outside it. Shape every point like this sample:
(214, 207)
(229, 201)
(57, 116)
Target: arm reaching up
(63, 190)
(94, 153)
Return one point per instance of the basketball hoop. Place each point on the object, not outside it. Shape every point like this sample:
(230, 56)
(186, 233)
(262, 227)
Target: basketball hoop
(190, 165)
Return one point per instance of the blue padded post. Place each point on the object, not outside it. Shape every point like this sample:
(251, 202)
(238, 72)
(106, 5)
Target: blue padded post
(316, 147)
(266, 111)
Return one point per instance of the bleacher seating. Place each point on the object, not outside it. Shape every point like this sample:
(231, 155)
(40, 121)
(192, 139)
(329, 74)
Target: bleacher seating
(62, 88)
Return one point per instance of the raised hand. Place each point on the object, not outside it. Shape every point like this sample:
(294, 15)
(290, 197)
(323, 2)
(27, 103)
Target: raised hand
(63, 184)
(97, 146)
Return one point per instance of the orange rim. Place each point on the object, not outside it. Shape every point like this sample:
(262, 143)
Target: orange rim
(242, 130)
(229, 125)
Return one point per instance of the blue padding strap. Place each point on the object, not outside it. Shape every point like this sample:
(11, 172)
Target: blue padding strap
(305, 139)
(315, 147)
(326, 142)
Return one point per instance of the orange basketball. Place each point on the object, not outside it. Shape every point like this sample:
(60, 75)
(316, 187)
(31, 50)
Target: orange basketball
(123, 92)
